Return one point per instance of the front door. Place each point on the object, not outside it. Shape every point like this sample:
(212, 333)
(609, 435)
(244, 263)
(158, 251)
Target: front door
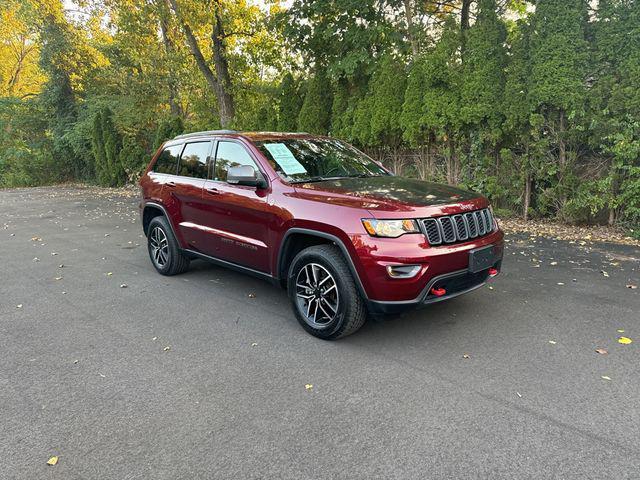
(238, 217)
(193, 167)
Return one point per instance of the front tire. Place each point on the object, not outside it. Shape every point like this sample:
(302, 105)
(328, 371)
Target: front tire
(163, 248)
(323, 293)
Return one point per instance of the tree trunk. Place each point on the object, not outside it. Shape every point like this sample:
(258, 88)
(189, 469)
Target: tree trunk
(174, 106)
(464, 23)
(527, 197)
(225, 100)
(222, 67)
(452, 163)
(562, 146)
(415, 47)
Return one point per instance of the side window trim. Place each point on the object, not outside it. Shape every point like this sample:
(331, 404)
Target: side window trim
(211, 143)
(247, 151)
(214, 159)
(181, 146)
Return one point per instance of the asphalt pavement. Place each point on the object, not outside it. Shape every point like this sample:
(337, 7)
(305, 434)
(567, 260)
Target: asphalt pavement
(124, 374)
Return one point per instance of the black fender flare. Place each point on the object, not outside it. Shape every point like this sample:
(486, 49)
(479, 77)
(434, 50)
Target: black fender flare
(340, 244)
(164, 212)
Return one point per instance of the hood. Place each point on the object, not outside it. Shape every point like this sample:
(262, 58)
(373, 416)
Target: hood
(391, 194)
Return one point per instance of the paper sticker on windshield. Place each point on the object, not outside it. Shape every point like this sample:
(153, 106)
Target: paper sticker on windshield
(283, 157)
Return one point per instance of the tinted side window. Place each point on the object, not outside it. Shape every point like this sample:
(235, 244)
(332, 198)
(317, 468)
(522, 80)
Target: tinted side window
(231, 154)
(168, 160)
(193, 161)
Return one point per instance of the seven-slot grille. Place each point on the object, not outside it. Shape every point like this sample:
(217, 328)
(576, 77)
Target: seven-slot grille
(458, 228)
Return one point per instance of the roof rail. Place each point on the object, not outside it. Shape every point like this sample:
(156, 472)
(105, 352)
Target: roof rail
(203, 133)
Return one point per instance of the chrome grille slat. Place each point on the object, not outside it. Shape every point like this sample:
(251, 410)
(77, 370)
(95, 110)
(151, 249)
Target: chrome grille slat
(448, 233)
(432, 231)
(461, 228)
(457, 228)
(472, 225)
(481, 229)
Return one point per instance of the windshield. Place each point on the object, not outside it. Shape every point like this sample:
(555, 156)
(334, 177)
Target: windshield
(299, 160)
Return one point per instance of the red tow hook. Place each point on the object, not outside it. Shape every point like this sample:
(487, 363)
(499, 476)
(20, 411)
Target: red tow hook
(438, 292)
(493, 272)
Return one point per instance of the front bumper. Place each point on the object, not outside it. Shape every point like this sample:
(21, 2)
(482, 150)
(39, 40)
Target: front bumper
(374, 255)
(454, 284)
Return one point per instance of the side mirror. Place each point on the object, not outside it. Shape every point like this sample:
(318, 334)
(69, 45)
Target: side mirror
(246, 175)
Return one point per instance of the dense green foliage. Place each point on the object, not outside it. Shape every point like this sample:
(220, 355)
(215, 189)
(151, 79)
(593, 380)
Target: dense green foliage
(536, 104)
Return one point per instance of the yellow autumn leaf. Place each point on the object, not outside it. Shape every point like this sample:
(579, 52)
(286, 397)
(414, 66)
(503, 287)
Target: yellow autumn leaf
(308, 386)
(52, 461)
(625, 340)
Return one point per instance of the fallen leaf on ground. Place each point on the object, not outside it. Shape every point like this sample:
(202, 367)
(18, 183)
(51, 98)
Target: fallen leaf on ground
(167, 348)
(54, 253)
(601, 351)
(109, 274)
(604, 273)
(58, 278)
(19, 305)
(123, 285)
(254, 344)
(61, 266)
(308, 386)
(36, 239)
(620, 330)
(52, 461)
(554, 263)
(466, 355)
(604, 377)
(625, 340)
(560, 283)
(632, 287)
(252, 295)
(552, 342)
(518, 393)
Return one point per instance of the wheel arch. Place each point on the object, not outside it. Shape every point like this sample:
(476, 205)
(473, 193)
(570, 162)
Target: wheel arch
(297, 239)
(150, 210)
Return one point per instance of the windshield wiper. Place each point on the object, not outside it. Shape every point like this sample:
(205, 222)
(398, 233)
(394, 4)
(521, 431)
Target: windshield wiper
(316, 179)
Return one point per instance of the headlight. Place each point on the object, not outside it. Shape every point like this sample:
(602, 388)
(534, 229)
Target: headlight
(389, 228)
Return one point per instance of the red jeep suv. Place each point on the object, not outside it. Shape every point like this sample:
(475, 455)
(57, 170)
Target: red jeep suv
(342, 234)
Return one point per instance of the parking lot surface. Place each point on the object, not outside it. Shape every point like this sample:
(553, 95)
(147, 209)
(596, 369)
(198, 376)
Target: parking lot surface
(124, 374)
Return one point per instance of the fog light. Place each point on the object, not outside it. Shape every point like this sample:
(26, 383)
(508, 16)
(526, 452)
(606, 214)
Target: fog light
(403, 271)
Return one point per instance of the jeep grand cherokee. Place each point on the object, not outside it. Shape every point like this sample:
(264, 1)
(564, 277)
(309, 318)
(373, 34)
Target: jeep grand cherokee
(343, 235)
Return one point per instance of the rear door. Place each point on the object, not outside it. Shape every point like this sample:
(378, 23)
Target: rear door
(186, 192)
(238, 217)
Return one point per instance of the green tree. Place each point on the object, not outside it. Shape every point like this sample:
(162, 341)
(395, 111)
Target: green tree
(441, 98)
(386, 90)
(58, 95)
(167, 130)
(315, 114)
(559, 61)
(289, 104)
(483, 73)
(107, 145)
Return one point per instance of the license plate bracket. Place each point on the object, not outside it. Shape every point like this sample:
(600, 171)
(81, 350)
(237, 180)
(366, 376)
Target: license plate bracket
(484, 257)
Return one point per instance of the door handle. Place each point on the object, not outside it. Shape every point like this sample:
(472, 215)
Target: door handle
(213, 191)
(170, 184)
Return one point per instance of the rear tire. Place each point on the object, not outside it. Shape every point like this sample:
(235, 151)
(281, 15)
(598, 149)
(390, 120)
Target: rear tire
(323, 293)
(164, 252)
